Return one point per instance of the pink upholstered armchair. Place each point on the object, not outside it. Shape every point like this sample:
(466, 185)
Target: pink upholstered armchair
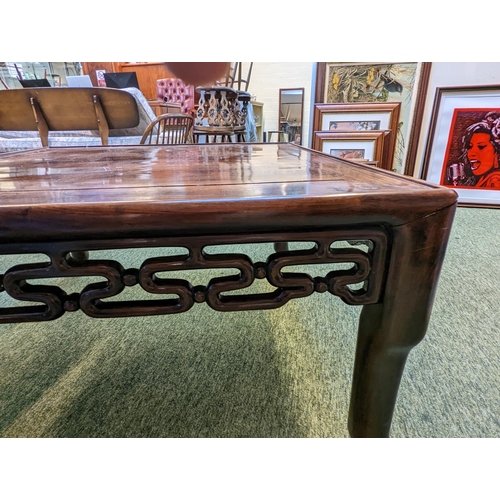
(176, 91)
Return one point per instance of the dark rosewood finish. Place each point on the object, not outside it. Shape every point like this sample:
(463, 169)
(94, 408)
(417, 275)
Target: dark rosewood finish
(66, 202)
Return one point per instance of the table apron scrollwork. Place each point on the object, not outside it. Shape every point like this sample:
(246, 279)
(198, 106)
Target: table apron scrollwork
(360, 284)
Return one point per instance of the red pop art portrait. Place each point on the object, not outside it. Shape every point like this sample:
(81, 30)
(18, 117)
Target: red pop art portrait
(471, 159)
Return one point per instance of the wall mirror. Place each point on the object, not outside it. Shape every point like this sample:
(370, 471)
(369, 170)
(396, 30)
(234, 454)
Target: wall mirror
(291, 113)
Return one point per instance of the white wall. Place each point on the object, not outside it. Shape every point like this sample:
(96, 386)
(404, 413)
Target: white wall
(452, 74)
(266, 80)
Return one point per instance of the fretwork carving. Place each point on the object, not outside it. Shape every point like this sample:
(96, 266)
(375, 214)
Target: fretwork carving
(70, 260)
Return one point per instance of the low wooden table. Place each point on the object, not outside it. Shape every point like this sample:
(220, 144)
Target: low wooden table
(65, 202)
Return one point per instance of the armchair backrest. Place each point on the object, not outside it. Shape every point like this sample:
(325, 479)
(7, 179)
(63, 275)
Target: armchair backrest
(170, 128)
(176, 91)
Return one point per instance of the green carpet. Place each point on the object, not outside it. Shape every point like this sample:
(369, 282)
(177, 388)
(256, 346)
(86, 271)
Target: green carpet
(278, 373)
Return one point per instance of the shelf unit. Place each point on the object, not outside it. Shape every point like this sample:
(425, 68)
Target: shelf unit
(259, 119)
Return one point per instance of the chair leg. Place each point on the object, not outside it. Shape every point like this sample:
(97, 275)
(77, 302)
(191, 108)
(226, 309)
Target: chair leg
(79, 256)
(281, 246)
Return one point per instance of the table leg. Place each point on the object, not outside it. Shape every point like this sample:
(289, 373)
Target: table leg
(281, 246)
(81, 256)
(389, 330)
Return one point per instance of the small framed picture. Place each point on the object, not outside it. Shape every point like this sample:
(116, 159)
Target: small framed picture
(369, 146)
(344, 125)
(463, 146)
(355, 117)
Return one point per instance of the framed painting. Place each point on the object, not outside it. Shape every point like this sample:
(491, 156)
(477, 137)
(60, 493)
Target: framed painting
(359, 117)
(403, 82)
(369, 146)
(463, 146)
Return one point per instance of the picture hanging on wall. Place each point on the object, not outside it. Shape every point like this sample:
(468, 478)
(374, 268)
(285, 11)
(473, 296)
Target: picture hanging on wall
(463, 146)
(404, 82)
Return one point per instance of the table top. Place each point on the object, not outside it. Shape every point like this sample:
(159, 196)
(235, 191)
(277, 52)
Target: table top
(199, 189)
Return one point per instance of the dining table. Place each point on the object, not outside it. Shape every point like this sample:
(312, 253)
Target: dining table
(379, 237)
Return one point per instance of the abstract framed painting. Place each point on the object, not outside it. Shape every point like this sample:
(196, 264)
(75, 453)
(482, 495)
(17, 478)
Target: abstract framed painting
(463, 145)
(404, 82)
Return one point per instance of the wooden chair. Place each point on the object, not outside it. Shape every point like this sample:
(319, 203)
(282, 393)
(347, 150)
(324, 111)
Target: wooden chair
(222, 113)
(170, 128)
(219, 134)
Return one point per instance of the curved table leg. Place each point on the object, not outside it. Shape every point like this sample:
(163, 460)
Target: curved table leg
(389, 330)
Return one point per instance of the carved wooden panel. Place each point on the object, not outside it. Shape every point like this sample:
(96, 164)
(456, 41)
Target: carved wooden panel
(65, 260)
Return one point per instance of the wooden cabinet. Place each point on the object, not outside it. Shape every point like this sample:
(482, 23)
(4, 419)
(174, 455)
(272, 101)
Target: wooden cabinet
(259, 119)
(147, 73)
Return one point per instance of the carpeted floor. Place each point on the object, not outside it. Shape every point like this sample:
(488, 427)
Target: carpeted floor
(279, 373)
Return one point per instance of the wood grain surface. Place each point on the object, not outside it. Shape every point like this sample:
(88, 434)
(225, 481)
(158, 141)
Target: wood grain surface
(198, 189)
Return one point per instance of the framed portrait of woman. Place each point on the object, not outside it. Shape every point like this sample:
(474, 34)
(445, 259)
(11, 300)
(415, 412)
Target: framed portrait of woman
(463, 145)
